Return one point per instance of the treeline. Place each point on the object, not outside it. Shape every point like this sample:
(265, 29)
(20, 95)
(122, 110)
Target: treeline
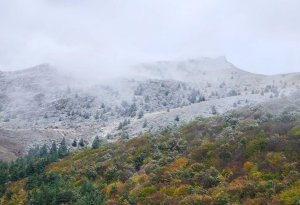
(32, 164)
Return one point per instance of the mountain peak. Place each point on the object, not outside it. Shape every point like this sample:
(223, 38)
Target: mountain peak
(41, 68)
(191, 69)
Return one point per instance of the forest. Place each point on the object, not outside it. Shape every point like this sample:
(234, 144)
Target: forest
(247, 156)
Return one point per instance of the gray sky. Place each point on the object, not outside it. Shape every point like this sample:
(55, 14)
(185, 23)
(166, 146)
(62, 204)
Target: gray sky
(256, 35)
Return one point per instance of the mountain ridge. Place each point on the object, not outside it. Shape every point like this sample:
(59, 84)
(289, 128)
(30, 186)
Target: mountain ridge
(43, 99)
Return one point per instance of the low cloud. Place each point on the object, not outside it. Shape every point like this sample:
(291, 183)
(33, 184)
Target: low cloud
(107, 36)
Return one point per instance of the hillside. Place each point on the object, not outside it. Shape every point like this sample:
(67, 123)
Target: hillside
(42, 104)
(247, 156)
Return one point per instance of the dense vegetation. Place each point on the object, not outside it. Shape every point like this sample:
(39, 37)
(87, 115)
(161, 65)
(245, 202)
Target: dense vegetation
(33, 163)
(245, 157)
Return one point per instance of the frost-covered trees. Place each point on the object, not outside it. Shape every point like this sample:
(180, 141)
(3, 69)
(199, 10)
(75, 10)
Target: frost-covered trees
(74, 143)
(145, 124)
(81, 143)
(213, 110)
(196, 97)
(140, 114)
(63, 149)
(96, 143)
(123, 124)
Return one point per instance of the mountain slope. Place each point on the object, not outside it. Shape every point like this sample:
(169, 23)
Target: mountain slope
(42, 104)
(248, 156)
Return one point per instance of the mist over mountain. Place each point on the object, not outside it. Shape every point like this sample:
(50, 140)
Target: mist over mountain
(161, 102)
(43, 103)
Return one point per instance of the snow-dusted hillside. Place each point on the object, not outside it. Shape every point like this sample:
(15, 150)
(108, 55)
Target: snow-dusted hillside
(41, 104)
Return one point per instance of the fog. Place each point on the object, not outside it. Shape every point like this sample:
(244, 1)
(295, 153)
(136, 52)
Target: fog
(104, 37)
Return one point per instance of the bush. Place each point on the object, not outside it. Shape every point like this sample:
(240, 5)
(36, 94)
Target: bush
(192, 200)
(147, 191)
(291, 196)
(211, 178)
(295, 132)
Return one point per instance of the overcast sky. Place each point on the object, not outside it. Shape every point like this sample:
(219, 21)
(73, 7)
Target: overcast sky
(260, 36)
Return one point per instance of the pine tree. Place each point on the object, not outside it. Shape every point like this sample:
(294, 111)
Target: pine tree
(63, 150)
(53, 149)
(34, 152)
(213, 110)
(43, 150)
(145, 123)
(81, 143)
(74, 143)
(96, 143)
(4, 176)
(120, 126)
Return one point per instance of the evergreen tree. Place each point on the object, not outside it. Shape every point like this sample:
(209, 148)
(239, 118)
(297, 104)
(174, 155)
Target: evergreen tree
(81, 143)
(53, 149)
(120, 126)
(74, 143)
(213, 110)
(125, 135)
(62, 150)
(138, 161)
(4, 176)
(43, 151)
(96, 143)
(34, 152)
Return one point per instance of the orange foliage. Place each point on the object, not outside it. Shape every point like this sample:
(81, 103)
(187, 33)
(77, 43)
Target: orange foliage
(248, 166)
(237, 185)
(178, 164)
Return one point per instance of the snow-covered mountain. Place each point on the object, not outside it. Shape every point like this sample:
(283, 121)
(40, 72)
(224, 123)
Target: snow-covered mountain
(41, 104)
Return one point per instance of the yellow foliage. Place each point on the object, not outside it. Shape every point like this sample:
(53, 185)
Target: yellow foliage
(251, 168)
(63, 166)
(119, 185)
(295, 132)
(147, 191)
(191, 200)
(178, 164)
(220, 195)
(18, 193)
(168, 190)
(183, 190)
(291, 196)
(207, 145)
(275, 158)
(142, 178)
(227, 173)
(256, 175)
